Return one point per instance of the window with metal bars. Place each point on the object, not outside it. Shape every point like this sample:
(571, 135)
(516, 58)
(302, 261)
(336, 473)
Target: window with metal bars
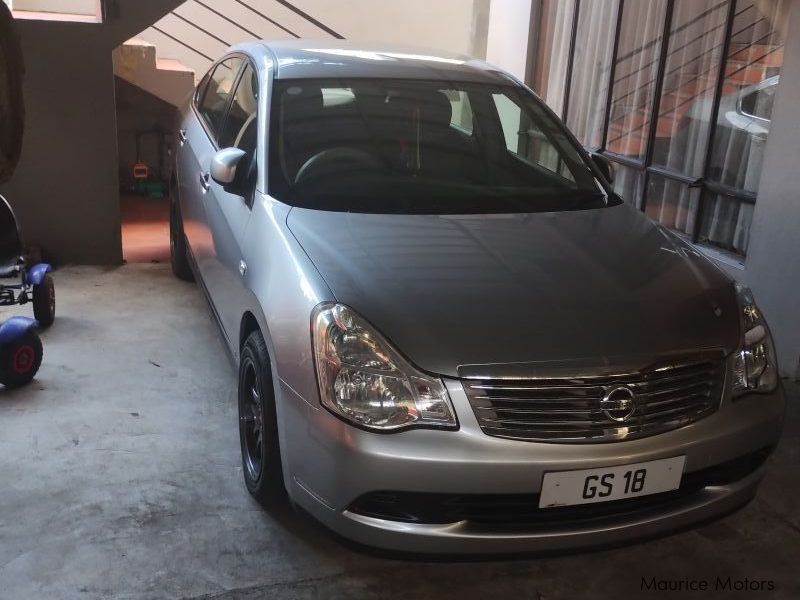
(678, 93)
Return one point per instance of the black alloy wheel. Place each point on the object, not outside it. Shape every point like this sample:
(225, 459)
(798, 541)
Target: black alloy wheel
(258, 427)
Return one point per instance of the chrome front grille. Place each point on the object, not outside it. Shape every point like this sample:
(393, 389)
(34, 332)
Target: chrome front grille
(570, 410)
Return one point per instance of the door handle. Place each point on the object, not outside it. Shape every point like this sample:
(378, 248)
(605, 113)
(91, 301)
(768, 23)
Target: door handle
(182, 136)
(205, 182)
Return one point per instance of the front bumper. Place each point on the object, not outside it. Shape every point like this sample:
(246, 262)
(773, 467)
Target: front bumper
(329, 465)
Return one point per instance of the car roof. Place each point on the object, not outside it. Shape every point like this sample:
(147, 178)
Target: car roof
(307, 59)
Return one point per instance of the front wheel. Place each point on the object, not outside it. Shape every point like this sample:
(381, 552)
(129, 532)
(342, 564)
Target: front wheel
(20, 359)
(44, 301)
(258, 427)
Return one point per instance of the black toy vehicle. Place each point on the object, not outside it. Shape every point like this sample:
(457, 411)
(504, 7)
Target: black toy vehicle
(35, 284)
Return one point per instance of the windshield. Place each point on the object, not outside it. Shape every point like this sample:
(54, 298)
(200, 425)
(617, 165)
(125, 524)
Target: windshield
(371, 145)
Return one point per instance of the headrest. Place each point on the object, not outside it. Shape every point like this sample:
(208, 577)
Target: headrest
(434, 107)
(401, 106)
(301, 102)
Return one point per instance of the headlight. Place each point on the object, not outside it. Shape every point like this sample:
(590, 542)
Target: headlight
(754, 366)
(366, 381)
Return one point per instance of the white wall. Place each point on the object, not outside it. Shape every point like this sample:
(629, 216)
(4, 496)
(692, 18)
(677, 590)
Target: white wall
(509, 29)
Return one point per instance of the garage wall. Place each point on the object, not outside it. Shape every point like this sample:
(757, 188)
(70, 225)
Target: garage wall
(64, 190)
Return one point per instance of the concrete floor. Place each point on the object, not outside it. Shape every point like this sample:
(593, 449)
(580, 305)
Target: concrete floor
(120, 478)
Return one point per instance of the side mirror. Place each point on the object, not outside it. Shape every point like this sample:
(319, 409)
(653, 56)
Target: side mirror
(224, 164)
(604, 166)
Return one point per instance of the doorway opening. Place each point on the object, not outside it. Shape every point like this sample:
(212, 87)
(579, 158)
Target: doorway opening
(148, 90)
(144, 138)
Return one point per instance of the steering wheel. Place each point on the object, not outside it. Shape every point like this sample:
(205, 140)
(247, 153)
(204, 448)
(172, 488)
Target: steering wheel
(335, 160)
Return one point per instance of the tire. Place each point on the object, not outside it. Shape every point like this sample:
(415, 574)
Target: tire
(44, 301)
(261, 461)
(12, 108)
(20, 360)
(178, 252)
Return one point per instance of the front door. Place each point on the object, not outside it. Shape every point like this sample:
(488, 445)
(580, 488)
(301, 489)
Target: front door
(228, 208)
(198, 136)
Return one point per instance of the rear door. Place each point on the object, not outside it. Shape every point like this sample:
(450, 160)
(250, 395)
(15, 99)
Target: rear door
(229, 207)
(198, 136)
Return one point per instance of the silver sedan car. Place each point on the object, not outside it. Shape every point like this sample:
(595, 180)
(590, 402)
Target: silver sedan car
(451, 334)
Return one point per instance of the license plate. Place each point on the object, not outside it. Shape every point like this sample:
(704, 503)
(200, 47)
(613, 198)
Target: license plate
(567, 488)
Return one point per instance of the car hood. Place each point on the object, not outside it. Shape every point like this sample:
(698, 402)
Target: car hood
(456, 293)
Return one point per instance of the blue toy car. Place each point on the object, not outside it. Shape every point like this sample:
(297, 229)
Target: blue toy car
(20, 346)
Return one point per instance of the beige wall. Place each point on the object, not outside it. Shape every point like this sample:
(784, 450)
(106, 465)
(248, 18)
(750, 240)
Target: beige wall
(449, 25)
(437, 24)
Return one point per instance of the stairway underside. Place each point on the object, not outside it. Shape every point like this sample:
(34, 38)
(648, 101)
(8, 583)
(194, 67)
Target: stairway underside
(137, 62)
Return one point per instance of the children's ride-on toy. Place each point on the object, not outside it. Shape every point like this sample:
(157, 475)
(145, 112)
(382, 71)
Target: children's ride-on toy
(36, 283)
(20, 346)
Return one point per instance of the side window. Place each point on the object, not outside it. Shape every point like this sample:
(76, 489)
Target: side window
(525, 139)
(511, 120)
(759, 103)
(218, 90)
(461, 117)
(241, 125)
(201, 89)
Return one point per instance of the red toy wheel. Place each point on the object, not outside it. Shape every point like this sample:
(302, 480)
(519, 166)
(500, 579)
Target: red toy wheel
(20, 359)
(24, 359)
